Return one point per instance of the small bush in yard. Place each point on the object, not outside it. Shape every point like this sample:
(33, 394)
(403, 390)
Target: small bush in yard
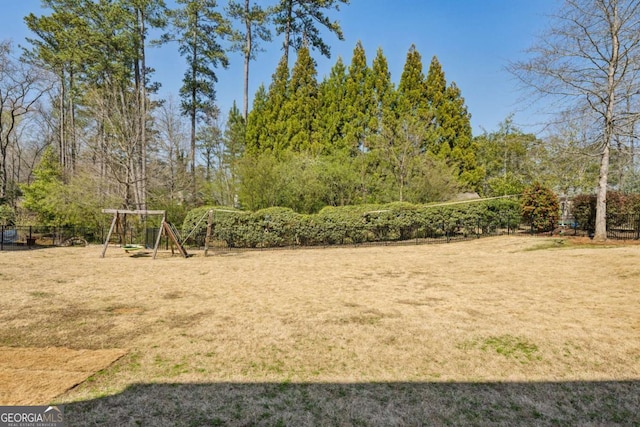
(540, 207)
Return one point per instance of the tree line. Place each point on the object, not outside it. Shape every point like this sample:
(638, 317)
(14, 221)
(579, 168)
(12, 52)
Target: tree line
(82, 126)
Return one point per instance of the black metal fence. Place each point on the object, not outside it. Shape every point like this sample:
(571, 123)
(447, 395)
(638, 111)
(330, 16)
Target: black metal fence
(20, 237)
(623, 227)
(619, 226)
(25, 237)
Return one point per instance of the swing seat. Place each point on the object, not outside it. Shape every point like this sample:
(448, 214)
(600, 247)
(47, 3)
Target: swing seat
(129, 248)
(117, 224)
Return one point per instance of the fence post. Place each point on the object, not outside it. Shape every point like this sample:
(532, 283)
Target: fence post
(532, 224)
(2, 239)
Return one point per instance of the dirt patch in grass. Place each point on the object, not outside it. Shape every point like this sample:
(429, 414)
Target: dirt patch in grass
(481, 312)
(35, 376)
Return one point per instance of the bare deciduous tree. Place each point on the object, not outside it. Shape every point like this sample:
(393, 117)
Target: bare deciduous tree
(589, 62)
(169, 169)
(21, 86)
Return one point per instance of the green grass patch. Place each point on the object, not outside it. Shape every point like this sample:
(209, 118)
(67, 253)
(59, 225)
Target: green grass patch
(509, 346)
(40, 294)
(549, 244)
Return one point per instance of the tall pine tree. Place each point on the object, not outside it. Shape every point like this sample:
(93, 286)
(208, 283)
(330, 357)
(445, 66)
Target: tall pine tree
(358, 102)
(331, 118)
(198, 29)
(59, 47)
(412, 97)
(449, 134)
(276, 118)
(302, 105)
(384, 93)
(436, 86)
(454, 117)
(256, 129)
(254, 19)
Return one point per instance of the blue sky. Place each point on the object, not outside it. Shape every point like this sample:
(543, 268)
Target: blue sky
(473, 40)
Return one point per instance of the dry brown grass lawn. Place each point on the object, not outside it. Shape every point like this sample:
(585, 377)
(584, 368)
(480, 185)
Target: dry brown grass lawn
(502, 330)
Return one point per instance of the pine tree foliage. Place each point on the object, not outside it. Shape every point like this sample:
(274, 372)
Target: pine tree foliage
(455, 123)
(384, 93)
(254, 21)
(412, 89)
(449, 135)
(297, 20)
(410, 143)
(302, 105)
(59, 46)
(358, 101)
(331, 119)
(275, 114)
(436, 86)
(199, 27)
(256, 136)
(234, 135)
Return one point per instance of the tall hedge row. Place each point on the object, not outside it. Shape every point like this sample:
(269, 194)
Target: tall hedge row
(275, 227)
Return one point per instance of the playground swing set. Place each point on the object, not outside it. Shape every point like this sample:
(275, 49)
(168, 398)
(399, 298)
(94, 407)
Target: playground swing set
(118, 225)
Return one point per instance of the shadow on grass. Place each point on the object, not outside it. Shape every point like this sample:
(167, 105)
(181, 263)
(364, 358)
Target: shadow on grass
(365, 404)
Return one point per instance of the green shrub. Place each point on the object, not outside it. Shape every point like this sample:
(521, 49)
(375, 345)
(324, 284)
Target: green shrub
(275, 227)
(540, 207)
(584, 209)
(502, 213)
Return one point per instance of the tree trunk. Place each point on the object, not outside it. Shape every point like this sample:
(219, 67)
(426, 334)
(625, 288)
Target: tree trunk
(138, 152)
(247, 58)
(601, 198)
(4, 150)
(143, 116)
(62, 146)
(287, 33)
(72, 124)
(193, 112)
(3, 174)
(194, 187)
